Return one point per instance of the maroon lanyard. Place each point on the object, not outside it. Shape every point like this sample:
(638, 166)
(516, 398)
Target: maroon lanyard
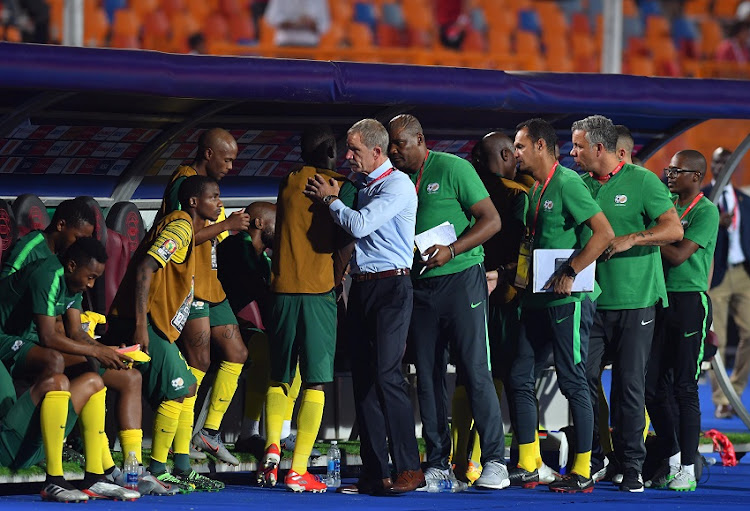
(536, 185)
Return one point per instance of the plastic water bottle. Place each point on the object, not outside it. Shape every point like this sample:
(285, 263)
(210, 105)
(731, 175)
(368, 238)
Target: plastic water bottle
(445, 486)
(130, 467)
(333, 477)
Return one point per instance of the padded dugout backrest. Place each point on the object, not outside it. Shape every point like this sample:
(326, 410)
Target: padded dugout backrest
(94, 299)
(31, 214)
(8, 228)
(125, 230)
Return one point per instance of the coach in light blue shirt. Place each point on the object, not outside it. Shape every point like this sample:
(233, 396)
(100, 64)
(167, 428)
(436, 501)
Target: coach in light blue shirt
(380, 303)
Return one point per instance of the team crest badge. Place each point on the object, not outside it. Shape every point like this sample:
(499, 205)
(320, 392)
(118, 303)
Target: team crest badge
(548, 204)
(433, 187)
(17, 345)
(178, 383)
(685, 224)
(167, 248)
(621, 199)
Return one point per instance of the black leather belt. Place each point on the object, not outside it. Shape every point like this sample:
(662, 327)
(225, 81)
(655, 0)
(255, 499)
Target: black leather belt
(361, 277)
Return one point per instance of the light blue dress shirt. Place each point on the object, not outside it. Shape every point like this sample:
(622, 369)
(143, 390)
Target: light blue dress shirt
(384, 224)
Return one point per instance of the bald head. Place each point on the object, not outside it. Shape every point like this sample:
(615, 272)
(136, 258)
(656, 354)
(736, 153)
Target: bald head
(262, 222)
(217, 150)
(497, 155)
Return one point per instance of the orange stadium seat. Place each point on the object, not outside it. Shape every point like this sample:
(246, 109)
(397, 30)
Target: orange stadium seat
(629, 8)
(725, 8)
(95, 27)
(11, 33)
(230, 7)
(55, 20)
(215, 28)
(199, 9)
(697, 8)
(499, 42)
(125, 24)
(172, 7)
(142, 8)
(711, 36)
(580, 24)
(657, 27)
(241, 28)
(156, 31)
(640, 65)
(389, 36)
(182, 26)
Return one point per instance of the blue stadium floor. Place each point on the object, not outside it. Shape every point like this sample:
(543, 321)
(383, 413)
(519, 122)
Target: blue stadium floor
(725, 487)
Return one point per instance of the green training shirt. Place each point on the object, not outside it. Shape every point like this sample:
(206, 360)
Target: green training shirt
(448, 189)
(563, 210)
(632, 200)
(701, 226)
(30, 248)
(35, 289)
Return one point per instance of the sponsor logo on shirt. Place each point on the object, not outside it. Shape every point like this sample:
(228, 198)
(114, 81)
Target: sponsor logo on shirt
(621, 199)
(548, 205)
(178, 383)
(433, 187)
(167, 248)
(69, 305)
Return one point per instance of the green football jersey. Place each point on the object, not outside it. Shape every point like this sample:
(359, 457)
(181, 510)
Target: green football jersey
(701, 226)
(448, 188)
(564, 208)
(632, 200)
(35, 289)
(30, 248)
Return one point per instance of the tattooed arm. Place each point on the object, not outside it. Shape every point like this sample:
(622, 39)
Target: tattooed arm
(143, 276)
(667, 230)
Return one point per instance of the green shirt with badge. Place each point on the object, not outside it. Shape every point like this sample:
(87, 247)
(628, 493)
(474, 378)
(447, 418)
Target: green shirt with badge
(38, 289)
(631, 200)
(30, 248)
(448, 188)
(564, 208)
(701, 225)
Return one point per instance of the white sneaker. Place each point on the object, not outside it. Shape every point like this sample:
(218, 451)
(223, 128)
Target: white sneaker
(494, 476)
(599, 474)
(683, 481)
(617, 479)
(57, 493)
(547, 475)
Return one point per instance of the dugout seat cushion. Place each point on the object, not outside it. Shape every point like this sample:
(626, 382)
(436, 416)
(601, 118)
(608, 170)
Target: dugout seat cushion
(31, 214)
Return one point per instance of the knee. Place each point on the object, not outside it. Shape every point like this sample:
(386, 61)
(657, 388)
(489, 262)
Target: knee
(57, 382)
(238, 354)
(133, 381)
(92, 381)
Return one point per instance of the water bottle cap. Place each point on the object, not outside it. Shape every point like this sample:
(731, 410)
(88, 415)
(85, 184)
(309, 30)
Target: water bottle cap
(334, 442)
(131, 453)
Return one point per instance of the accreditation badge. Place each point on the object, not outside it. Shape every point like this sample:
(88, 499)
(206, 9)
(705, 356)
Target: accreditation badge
(523, 269)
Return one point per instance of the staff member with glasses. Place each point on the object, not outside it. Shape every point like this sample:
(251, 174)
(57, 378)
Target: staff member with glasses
(677, 349)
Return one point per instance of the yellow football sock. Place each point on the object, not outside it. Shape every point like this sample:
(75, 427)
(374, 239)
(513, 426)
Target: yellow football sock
(648, 424)
(460, 428)
(222, 393)
(539, 461)
(53, 414)
(107, 461)
(258, 377)
(582, 464)
(527, 456)
(276, 403)
(92, 431)
(293, 395)
(308, 425)
(165, 425)
(184, 432)
(132, 440)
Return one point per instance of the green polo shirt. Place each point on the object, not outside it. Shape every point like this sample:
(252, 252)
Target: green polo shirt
(30, 248)
(563, 210)
(701, 226)
(632, 200)
(449, 187)
(35, 289)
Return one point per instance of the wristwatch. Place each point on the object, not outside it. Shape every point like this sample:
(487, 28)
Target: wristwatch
(568, 271)
(328, 199)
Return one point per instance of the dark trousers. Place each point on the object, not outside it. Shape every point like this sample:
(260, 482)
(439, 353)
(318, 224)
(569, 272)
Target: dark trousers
(378, 323)
(564, 329)
(673, 370)
(624, 337)
(453, 309)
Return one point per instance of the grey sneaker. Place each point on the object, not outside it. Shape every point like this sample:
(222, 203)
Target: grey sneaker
(433, 476)
(106, 490)
(494, 476)
(197, 455)
(62, 492)
(147, 483)
(288, 443)
(683, 481)
(213, 445)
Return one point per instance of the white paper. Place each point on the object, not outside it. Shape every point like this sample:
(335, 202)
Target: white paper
(443, 234)
(547, 260)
